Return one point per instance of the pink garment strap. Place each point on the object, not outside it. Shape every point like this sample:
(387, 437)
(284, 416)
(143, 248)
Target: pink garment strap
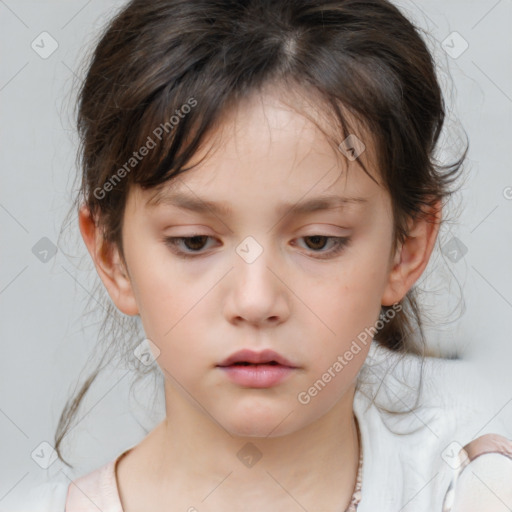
(488, 443)
(357, 494)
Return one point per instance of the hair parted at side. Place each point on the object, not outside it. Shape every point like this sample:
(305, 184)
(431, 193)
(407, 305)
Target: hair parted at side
(164, 72)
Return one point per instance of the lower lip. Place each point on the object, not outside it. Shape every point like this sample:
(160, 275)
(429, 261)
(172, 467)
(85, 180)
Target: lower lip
(257, 376)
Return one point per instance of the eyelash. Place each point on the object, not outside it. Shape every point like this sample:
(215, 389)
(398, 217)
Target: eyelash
(172, 242)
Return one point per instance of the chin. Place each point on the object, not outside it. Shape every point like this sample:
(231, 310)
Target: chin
(260, 422)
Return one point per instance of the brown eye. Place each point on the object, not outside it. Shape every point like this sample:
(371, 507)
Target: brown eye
(193, 244)
(317, 241)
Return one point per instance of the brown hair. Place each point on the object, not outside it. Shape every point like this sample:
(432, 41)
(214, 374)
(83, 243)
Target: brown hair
(154, 58)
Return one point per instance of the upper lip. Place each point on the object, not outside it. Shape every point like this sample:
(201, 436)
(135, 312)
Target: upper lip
(250, 356)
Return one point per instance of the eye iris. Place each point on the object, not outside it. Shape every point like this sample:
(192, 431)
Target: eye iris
(190, 242)
(317, 237)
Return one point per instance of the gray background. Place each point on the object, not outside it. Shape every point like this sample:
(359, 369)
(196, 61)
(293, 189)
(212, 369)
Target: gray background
(45, 337)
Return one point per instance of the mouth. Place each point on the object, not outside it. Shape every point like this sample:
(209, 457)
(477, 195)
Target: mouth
(247, 357)
(251, 369)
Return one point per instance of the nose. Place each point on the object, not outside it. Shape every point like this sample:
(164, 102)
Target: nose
(258, 292)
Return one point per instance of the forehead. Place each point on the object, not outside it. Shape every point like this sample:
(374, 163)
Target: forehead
(291, 125)
(268, 144)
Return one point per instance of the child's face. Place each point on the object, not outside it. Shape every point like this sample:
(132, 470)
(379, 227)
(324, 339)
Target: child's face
(259, 282)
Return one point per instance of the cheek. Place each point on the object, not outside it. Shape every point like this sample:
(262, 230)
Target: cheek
(162, 295)
(171, 311)
(349, 300)
(347, 306)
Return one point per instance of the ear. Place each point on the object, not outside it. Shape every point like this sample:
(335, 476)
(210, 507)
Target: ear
(108, 263)
(411, 257)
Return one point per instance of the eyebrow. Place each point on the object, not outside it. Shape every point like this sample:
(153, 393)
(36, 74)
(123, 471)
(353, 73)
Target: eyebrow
(196, 204)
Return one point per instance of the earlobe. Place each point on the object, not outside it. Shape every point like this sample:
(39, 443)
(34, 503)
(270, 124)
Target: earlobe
(412, 256)
(108, 263)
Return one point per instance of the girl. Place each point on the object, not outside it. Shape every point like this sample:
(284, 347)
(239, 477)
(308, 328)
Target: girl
(259, 187)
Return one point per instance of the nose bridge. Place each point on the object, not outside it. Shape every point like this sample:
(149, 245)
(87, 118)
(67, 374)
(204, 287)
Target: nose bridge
(250, 250)
(251, 266)
(256, 293)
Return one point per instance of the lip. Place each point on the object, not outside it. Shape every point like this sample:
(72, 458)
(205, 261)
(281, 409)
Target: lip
(257, 376)
(259, 373)
(250, 356)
